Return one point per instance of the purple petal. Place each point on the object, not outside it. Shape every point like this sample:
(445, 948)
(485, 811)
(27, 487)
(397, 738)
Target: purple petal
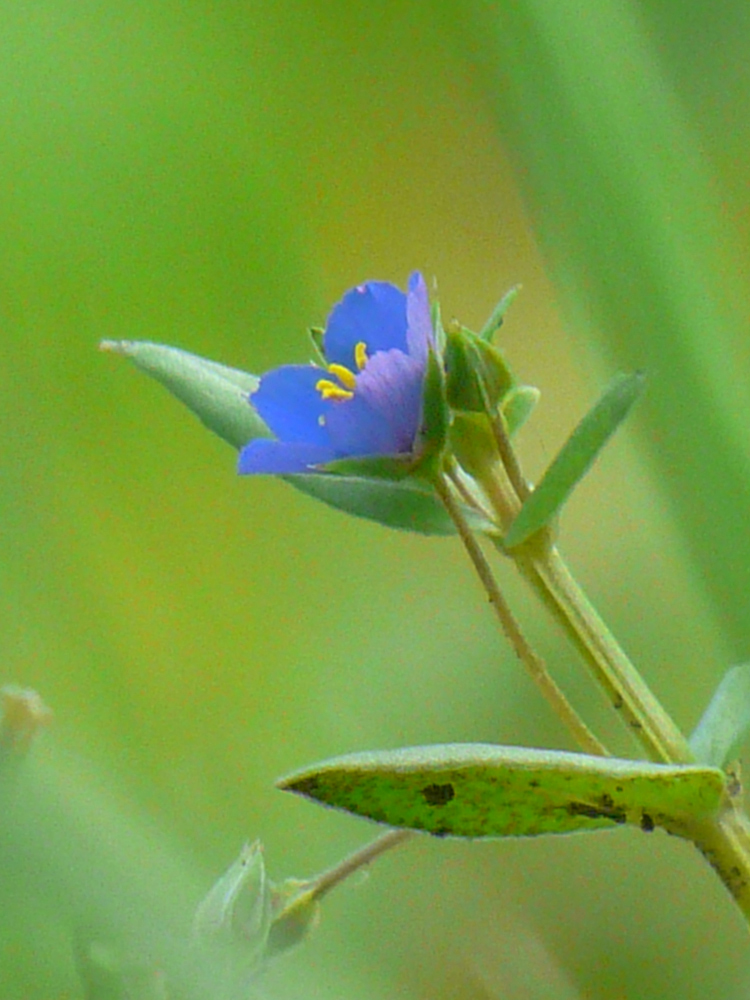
(373, 314)
(277, 458)
(419, 336)
(289, 404)
(384, 415)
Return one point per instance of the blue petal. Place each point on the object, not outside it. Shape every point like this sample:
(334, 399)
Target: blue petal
(290, 405)
(278, 458)
(419, 336)
(373, 314)
(384, 416)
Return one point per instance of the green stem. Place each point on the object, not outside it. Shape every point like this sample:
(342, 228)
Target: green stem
(534, 664)
(322, 884)
(628, 693)
(542, 566)
(724, 840)
(725, 843)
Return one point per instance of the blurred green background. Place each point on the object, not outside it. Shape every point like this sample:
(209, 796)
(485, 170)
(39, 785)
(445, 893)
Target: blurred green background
(215, 176)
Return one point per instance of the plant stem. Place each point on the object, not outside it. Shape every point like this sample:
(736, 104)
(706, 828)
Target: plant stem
(534, 664)
(328, 880)
(543, 567)
(725, 843)
(724, 840)
(628, 693)
(509, 458)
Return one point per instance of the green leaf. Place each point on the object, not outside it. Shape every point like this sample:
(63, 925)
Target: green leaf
(391, 467)
(498, 314)
(576, 457)
(409, 505)
(481, 790)
(216, 394)
(725, 724)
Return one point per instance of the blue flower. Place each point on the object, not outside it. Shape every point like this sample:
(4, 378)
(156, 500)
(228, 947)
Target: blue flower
(367, 400)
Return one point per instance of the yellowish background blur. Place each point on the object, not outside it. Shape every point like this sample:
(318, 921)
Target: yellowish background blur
(215, 176)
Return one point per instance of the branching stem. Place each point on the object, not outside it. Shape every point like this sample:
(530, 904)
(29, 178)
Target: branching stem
(534, 664)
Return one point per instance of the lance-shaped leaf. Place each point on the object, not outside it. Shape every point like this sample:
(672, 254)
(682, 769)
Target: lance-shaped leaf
(725, 724)
(218, 396)
(482, 790)
(576, 457)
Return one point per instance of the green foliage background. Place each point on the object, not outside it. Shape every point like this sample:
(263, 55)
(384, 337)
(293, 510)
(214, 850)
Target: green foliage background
(216, 175)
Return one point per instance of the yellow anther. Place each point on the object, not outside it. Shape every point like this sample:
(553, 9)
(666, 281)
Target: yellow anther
(344, 376)
(329, 390)
(360, 355)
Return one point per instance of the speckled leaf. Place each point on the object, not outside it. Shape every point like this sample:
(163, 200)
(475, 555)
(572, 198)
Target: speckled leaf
(482, 790)
(576, 457)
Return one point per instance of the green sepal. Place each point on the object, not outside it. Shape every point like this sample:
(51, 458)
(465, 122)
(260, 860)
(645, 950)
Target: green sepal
(317, 335)
(472, 443)
(237, 911)
(389, 467)
(478, 376)
(433, 431)
(216, 394)
(725, 724)
(296, 912)
(437, 326)
(518, 405)
(576, 457)
(497, 315)
(482, 790)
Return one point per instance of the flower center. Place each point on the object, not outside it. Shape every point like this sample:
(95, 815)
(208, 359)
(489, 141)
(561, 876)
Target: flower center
(347, 379)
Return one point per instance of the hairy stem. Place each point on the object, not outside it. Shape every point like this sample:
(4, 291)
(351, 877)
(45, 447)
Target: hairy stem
(627, 691)
(328, 880)
(534, 664)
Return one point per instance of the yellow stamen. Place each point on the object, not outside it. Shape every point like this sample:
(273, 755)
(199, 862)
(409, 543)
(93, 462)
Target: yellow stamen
(329, 390)
(344, 376)
(360, 355)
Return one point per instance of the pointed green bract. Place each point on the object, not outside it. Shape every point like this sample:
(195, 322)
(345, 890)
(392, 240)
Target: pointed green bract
(482, 790)
(498, 314)
(390, 467)
(216, 394)
(725, 724)
(296, 910)
(478, 376)
(236, 912)
(576, 457)
(317, 336)
(435, 414)
(518, 405)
